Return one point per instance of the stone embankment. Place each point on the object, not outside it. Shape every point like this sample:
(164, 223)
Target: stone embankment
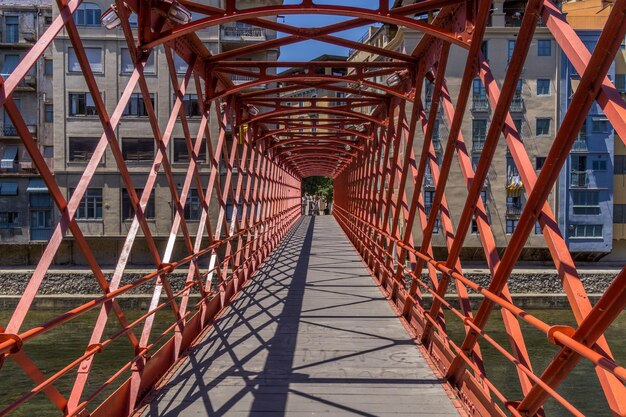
(81, 282)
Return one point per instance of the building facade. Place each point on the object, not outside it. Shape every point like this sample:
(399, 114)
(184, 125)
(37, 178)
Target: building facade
(25, 215)
(534, 110)
(105, 213)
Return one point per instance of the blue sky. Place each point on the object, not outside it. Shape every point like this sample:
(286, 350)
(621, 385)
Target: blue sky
(305, 51)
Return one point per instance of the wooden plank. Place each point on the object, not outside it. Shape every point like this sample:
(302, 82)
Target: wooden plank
(310, 334)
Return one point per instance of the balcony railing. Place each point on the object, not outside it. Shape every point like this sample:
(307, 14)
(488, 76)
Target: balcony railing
(517, 104)
(513, 209)
(580, 145)
(12, 36)
(480, 104)
(8, 130)
(240, 79)
(478, 145)
(250, 33)
(29, 81)
(437, 144)
(579, 179)
(428, 180)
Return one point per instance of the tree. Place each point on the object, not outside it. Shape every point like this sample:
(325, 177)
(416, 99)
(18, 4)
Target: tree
(322, 186)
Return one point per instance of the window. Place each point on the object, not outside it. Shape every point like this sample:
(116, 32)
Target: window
(87, 14)
(543, 87)
(181, 154)
(475, 159)
(191, 105)
(539, 161)
(544, 47)
(9, 219)
(510, 51)
(586, 202)
(128, 212)
(514, 205)
(9, 157)
(479, 132)
(10, 63)
(47, 66)
(517, 104)
(598, 165)
(511, 224)
(600, 125)
(82, 149)
(8, 188)
(13, 29)
(586, 231)
(90, 206)
(82, 104)
(193, 206)
(138, 149)
(484, 48)
(620, 83)
(474, 227)
(48, 20)
(518, 126)
(48, 113)
(543, 126)
(511, 168)
(180, 65)
(136, 105)
(229, 210)
(619, 213)
(479, 95)
(619, 166)
(429, 197)
(94, 56)
(537, 228)
(40, 216)
(127, 66)
(48, 151)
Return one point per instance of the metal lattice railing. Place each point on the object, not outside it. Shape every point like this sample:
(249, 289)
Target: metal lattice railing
(379, 173)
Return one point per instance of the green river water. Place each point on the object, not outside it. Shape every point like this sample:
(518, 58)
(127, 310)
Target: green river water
(60, 346)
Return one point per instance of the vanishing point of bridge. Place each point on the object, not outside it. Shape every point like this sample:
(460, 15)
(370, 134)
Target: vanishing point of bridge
(282, 314)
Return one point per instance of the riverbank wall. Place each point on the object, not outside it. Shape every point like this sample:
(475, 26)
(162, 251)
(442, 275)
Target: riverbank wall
(531, 287)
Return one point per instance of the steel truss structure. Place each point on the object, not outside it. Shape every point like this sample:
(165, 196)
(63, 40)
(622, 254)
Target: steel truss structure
(365, 141)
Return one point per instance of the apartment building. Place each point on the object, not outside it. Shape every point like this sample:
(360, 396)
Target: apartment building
(105, 213)
(25, 209)
(534, 110)
(591, 186)
(317, 92)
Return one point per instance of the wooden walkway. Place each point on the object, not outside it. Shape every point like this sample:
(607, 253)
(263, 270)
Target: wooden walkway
(310, 335)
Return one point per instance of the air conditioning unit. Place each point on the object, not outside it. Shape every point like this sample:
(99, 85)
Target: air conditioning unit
(26, 165)
(29, 37)
(30, 80)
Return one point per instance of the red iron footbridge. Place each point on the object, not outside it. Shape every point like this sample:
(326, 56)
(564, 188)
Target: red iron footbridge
(343, 314)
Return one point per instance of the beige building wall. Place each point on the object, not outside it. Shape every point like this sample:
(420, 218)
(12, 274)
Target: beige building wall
(108, 232)
(533, 106)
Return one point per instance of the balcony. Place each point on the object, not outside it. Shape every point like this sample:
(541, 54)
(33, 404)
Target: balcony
(517, 104)
(580, 144)
(480, 104)
(579, 179)
(243, 33)
(8, 130)
(29, 82)
(428, 180)
(513, 209)
(437, 144)
(478, 144)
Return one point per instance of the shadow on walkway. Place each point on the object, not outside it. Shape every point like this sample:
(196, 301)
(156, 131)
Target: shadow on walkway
(310, 334)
